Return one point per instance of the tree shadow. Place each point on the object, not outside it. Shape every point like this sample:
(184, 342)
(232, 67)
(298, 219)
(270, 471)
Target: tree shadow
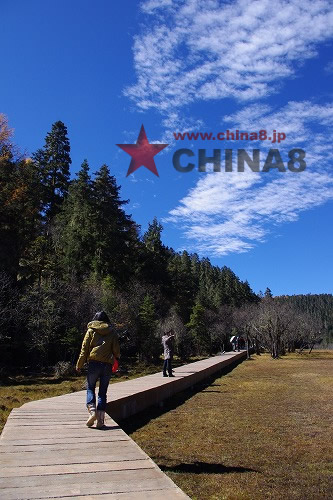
(130, 424)
(204, 468)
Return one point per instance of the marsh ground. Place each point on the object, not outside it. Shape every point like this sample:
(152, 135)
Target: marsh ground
(264, 430)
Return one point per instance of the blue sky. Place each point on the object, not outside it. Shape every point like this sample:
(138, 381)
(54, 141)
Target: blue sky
(104, 68)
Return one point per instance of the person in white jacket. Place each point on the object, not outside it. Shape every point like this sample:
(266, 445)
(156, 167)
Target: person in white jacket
(168, 345)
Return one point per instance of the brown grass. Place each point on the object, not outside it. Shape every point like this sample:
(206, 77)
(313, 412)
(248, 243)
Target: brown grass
(263, 431)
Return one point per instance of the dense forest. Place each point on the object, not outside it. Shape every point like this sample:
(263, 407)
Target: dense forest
(68, 248)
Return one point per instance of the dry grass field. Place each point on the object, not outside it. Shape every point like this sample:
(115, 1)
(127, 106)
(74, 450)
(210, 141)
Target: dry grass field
(262, 431)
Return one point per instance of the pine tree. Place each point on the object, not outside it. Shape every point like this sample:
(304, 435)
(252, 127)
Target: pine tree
(75, 225)
(9, 238)
(20, 204)
(198, 329)
(115, 234)
(148, 344)
(54, 162)
(154, 257)
(152, 237)
(182, 284)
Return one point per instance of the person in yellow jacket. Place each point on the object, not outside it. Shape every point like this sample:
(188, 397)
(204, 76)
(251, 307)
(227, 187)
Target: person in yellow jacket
(100, 349)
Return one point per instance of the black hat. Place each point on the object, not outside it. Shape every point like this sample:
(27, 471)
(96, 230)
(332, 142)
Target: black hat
(102, 316)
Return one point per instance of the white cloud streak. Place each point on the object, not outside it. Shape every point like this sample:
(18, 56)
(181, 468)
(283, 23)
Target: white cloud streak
(212, 50)
(231, 212)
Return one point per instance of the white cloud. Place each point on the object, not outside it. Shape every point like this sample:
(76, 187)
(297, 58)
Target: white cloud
(231, 212)
(305, 124)
(174, 121)
(150, 6)
(234, 220)
(211, 50)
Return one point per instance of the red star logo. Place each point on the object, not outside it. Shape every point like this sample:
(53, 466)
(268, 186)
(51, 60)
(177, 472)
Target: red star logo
(142, 153)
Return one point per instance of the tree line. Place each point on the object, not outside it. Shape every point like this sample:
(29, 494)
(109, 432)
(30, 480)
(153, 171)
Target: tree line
(68, 248)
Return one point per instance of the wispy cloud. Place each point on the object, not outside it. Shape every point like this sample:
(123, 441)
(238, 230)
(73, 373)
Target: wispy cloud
(218, 217)
(208, 50)
(151, 5)
(232, 212)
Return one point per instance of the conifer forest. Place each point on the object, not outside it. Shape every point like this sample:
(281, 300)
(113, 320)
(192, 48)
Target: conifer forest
(68, 248)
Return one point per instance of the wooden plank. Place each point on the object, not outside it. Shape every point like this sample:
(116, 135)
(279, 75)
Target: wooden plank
(93, 438)
(46, 420)
(46, 470)
(28, 488)
(64, 446)
(123, 451)
(45, 425)
(34, 433)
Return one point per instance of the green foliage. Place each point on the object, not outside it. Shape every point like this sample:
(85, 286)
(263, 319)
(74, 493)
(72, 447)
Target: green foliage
(114, 233)
(19, 215)
(74, 227)
(198, 329)
(53, 161)
(148, 344)
(153, 257)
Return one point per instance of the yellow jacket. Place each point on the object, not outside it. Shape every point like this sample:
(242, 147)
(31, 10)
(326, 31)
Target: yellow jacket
(100, 343)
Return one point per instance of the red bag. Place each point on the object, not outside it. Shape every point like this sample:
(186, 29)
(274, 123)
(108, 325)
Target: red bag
(115, 366)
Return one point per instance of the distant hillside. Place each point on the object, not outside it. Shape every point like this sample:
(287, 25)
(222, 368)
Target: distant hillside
(319, 306)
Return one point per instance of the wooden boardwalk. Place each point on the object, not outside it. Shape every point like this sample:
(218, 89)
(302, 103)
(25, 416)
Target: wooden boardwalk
(46, 451)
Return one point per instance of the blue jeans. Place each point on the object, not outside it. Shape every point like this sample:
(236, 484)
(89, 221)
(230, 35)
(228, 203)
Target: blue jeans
(102, 372)
(167, 367)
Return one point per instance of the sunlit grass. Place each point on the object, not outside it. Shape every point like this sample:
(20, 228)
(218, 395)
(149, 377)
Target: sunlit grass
(262, 431)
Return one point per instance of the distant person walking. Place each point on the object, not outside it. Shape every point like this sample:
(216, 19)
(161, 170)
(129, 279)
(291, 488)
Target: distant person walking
(233, 342)
(100, 349)
(168, 346)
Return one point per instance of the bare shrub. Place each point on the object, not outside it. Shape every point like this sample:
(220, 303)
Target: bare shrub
(63, 369)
